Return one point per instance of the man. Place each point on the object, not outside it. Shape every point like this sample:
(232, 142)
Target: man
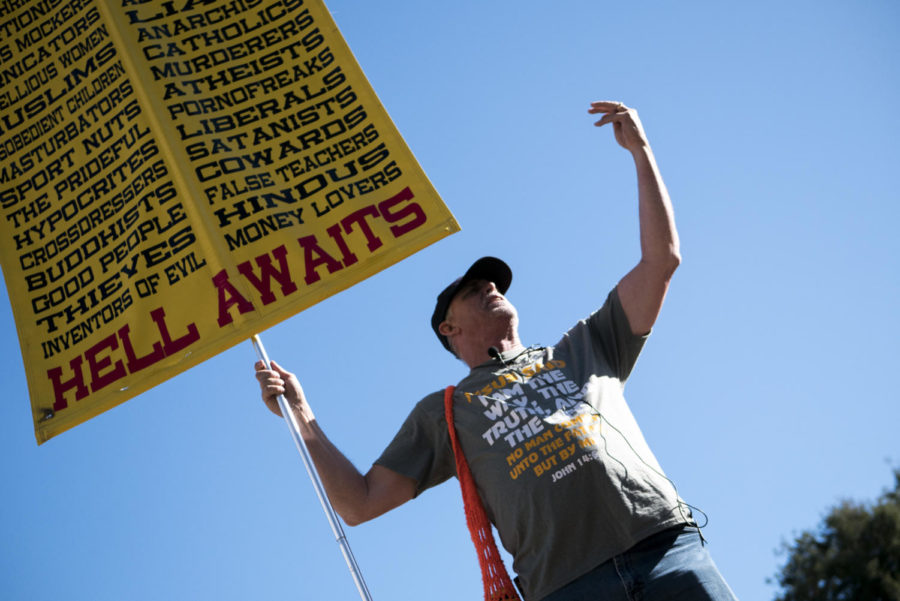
(561, 467)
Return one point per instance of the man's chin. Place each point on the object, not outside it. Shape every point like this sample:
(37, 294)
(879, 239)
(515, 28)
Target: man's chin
(503, 308)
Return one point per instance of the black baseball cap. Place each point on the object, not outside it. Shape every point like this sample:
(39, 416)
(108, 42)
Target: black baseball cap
(485, 268)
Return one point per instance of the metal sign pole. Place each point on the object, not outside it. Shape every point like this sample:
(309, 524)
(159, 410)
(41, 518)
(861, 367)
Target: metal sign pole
(333, 520)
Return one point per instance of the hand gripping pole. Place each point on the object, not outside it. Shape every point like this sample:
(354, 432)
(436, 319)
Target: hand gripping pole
(333, 520)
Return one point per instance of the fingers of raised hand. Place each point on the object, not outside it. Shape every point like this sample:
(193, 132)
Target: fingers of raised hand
(611, 111)
(607, 106)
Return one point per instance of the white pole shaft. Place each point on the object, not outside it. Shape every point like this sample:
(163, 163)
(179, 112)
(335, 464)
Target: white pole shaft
(333, 520)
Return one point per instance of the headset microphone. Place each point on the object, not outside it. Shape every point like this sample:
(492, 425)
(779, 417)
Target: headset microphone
(494, 353)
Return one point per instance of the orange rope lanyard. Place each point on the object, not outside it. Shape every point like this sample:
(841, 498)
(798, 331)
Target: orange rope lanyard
(497, 584)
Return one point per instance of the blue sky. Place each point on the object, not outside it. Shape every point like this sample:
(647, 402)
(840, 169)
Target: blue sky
(766, 390)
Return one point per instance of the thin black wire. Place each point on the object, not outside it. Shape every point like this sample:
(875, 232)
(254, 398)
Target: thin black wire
(681, 503)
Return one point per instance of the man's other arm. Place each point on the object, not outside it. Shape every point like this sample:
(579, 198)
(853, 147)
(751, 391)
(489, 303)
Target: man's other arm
(355, 497)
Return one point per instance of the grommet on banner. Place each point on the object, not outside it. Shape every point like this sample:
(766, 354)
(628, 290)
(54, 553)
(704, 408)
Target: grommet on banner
(48, 414)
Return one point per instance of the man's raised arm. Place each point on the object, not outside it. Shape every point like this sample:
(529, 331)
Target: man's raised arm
(356, 498)
(643, 289)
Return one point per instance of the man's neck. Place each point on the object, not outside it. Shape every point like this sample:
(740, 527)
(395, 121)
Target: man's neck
(477, 353)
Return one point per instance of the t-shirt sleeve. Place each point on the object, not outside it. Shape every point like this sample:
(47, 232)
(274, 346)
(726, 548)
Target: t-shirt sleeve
(607, 336)
(611, 336)
(421, 449)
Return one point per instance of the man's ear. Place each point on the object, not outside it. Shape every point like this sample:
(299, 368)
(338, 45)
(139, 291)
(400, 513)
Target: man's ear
(446, 328)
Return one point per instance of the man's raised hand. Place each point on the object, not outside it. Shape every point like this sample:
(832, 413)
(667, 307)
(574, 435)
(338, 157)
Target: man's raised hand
(626, 124)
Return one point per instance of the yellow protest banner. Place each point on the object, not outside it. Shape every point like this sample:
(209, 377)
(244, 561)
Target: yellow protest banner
(176, 176)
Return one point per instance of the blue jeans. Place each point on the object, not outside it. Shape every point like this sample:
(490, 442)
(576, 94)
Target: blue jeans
(670, 565)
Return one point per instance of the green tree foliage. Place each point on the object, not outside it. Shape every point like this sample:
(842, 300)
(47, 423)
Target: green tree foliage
(854, 555)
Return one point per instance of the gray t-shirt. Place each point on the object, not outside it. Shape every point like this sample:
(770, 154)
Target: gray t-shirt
(560, 463)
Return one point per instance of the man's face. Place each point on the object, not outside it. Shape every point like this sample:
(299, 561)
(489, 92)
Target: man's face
(479, 305)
